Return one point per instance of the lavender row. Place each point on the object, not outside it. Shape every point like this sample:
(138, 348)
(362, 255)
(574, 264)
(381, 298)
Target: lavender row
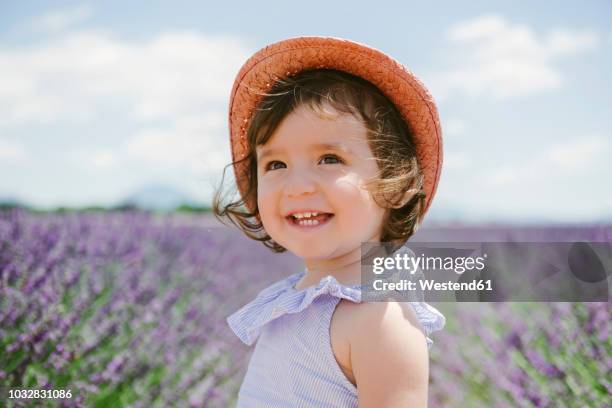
(124, 308)
(523, 355)
(129, 309)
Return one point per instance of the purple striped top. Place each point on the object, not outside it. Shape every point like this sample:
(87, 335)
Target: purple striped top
(293, 364)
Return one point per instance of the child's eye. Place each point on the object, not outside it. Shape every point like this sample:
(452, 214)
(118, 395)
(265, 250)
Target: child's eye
(267, 167)
(333, 157)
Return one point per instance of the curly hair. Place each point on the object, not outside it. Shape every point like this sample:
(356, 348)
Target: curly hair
(399, 187)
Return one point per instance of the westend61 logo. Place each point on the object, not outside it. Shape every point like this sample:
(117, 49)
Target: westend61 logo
(413, 263)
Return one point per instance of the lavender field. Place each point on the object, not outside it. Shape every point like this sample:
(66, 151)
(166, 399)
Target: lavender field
(129, 308)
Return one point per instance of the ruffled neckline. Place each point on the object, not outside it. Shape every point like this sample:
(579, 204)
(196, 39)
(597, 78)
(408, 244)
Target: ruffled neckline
(283, 298)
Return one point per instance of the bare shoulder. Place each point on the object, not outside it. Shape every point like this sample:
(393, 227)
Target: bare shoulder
(398, 312)
(388, 354)
(363, 317)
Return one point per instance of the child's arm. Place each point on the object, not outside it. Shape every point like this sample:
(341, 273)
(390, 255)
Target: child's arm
(389, 356)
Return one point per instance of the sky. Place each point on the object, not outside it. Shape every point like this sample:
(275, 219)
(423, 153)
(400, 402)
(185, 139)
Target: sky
(98, 100)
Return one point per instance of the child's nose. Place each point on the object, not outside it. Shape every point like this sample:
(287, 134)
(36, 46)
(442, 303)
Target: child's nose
(300, 182)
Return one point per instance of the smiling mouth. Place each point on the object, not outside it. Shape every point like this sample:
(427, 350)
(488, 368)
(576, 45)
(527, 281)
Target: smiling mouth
(310, 222)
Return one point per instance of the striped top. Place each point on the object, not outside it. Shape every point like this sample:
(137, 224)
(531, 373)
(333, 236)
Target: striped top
(293, 364)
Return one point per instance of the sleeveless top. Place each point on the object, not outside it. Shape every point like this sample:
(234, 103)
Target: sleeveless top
(293, 364)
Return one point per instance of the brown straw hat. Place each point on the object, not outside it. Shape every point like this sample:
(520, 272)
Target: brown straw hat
(290, 56)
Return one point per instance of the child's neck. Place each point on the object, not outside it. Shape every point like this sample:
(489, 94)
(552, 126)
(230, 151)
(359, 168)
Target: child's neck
(346, 269)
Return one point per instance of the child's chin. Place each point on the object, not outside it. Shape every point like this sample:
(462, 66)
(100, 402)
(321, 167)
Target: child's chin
(309, 252)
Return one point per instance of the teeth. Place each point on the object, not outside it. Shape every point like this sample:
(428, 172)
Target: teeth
(308, 223)
(305, 215)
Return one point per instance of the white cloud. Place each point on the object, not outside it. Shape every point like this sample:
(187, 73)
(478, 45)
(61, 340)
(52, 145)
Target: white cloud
(568, 42)
(504, 175)
(198, 146)
(549, 185)
(499, 59)
(577, 154)
(456, 161)
(61, 19)
(94, 158)
(167, 93)
(560, 160)
(454, 127)
(75, 76)
(103, 159)
(11, 151)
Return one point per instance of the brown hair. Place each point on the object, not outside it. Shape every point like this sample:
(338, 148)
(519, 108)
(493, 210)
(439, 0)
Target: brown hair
(389, 138)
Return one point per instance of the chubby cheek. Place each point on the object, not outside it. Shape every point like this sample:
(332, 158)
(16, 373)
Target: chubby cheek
(352, 196)
(354, 202)
(266, 202)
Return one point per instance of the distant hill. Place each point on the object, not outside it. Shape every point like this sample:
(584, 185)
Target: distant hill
(10, 202)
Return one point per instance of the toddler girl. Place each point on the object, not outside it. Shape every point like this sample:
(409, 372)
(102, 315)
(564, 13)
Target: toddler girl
(334, 144)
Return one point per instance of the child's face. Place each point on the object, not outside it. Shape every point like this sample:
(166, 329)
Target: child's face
(299, 174)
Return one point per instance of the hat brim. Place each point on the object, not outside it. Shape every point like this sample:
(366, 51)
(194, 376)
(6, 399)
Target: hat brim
(293, 55)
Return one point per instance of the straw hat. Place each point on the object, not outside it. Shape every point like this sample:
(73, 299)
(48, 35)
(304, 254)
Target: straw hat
(290, 56)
